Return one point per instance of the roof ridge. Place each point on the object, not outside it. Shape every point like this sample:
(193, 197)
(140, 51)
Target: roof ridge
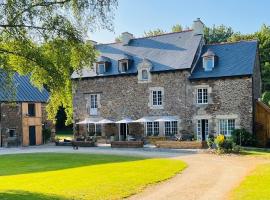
(169, 33)
(223, 43)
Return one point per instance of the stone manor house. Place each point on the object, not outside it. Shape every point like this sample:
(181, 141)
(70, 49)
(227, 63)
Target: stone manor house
(170, 84)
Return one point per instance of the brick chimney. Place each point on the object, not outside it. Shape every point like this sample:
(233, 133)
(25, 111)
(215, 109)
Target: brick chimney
(198, 27)
(126, 37)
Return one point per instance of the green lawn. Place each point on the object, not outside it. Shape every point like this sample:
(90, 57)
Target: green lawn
(256, 186)
(54, 176)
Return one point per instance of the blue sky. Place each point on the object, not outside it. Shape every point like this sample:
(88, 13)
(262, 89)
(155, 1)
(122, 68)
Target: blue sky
(137, 16)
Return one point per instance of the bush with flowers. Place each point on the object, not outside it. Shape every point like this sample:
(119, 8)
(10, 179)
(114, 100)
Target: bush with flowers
(225, 144)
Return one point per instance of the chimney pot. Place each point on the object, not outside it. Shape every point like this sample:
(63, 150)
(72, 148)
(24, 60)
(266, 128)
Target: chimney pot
(126, 37)
(198, 27)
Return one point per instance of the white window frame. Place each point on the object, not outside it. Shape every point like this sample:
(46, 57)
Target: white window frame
(145, 79)
(226, 128)
(199, 129)
(170, 128)
(157, 98)
(204, 96)
(205, 59)
(93, 104)
(153, 128)
(98, 68)
(120, 66)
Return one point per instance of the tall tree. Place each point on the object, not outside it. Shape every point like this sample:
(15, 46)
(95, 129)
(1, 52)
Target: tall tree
(47, 40)
(177, 28)
(154, 32)
(217, 34)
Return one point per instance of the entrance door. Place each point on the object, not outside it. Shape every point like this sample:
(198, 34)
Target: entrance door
(123, 132)
(202, 129)
(32, 135)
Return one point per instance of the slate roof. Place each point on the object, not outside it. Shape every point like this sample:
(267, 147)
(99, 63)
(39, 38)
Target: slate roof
(234, 59)
(21, 90)
(170, 51)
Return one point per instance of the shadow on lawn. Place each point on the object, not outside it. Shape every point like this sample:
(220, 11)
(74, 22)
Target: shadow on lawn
(41, 162)
(25, 195)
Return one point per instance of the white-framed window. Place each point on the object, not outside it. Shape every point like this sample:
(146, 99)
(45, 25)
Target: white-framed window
(101, 68)
(202, 129)
(157, 98)
(171, 128)
(123, 66)
(152, 128)
(226, 126)
(93, 109)
(144, 75)
(202, 96)
(208, 63)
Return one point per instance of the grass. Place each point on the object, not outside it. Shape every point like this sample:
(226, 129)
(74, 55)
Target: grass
(64, 134)
(255, 186)
(256, 152)
(54, 176)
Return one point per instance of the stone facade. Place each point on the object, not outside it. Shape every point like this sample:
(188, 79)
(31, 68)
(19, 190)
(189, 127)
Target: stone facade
(15, 123)
(125, 96)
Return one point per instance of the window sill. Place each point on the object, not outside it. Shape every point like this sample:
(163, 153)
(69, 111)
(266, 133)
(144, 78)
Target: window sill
(157, 107)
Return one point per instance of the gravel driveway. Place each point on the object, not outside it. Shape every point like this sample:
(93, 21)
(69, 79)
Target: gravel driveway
(208, 177)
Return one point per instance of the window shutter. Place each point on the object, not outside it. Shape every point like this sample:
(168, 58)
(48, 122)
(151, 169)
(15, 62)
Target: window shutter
(98, 101)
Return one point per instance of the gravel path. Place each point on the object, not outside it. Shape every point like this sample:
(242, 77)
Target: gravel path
(208, 177)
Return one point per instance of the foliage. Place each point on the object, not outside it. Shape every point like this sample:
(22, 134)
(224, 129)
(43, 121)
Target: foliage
(177, 28)
(266, 98)
(154, 32)
(254, 186)
(247, 138)
(118, 38)
(211, 141)
(226, 144)
(46, 133)
(82, 176)
(47, 40)
(217, 34)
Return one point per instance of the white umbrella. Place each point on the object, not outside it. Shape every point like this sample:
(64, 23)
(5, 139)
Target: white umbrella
(143, 120)
(90, 121)
(166, 119)
(124, 121)
(105, 121)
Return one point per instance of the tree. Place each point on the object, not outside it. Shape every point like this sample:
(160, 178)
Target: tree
(217, 34)
(118, 38)
(266, 98)
(154, 32)
(47, 40)
(177, 28)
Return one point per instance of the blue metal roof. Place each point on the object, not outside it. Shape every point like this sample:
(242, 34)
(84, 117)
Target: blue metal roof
(233, 59)
(21, 90)
(170, 51)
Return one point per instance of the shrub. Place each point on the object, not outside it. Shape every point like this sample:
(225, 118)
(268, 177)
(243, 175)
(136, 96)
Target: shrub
(46, 133)
(226, 145)
(211, 141)
(247, 139)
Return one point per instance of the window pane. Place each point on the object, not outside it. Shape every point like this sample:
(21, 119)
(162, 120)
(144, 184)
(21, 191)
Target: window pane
(123, 66)
(101, 68)
(231, 126)
(31, 109)
(199, 96)
(208, 64)
(167, 128)
(159, 98)
(144, 75)
(149, 128)
(93, 101)
(223, 126)
(174, 127)
(154, 94)
(156, 128)
(199, 129)
(205, 95)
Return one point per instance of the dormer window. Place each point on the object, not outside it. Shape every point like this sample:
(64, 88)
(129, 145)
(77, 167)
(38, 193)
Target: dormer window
(208, 60)
(144, 75)
(208, 63)
(123, 66)
(101, 68)
(102, 65)
(144, 68)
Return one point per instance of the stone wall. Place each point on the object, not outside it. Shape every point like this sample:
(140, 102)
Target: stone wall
(122, 96)
(11, 118)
